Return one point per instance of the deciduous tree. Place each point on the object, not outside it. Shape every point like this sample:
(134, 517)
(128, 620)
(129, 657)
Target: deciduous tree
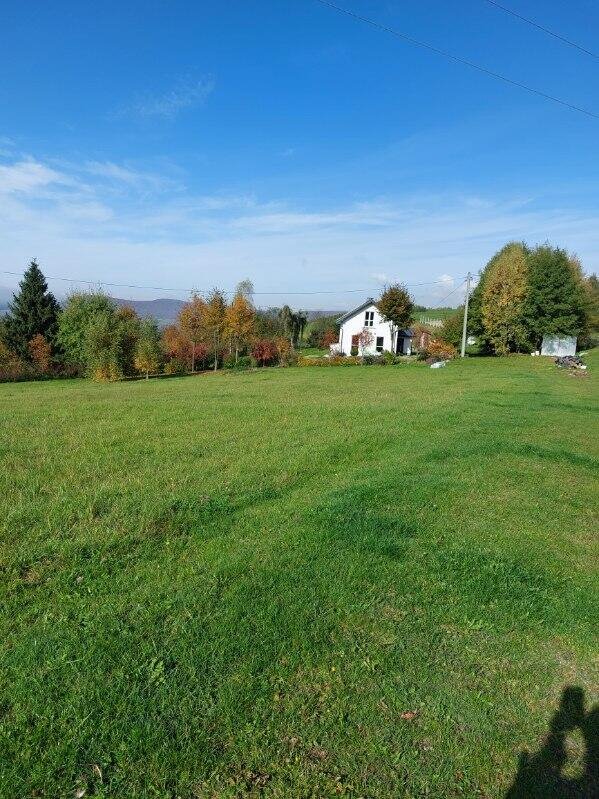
(148, 351)
(395, 306)
(239, 322)
(216, 308)
(110, 344)
(40, 353)
(77, 314)
(503, 300)
(192, 324)
(556, 303)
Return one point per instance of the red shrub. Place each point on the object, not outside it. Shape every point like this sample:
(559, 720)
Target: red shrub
(329, 337)
(264, 352)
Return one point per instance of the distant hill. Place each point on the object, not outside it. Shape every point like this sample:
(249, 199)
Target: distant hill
(163, 310)
(5, 298)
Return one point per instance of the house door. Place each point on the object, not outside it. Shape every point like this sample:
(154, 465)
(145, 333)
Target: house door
(399, 345)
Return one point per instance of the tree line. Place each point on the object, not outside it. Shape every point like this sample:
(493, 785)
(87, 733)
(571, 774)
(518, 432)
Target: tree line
(92, 335)
(525, 293)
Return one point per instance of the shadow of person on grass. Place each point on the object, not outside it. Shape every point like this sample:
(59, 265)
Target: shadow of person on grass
(540, 775)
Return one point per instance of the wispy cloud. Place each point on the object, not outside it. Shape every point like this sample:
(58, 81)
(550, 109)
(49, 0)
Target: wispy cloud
(187, 93)
(79, 224)
(27, 176)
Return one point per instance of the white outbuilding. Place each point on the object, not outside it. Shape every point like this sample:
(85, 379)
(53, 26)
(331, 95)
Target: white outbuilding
(558, 346)
(365, 332)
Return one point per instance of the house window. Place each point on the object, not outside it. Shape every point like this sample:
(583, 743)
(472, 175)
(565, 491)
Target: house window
(369, 319)
(379, 343)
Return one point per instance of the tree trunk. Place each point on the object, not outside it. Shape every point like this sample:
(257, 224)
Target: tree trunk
(215, 354)
(193, 358)
(147, 375)
(236, 353)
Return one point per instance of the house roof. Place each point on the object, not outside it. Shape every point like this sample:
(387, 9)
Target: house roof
(349, 314)
(407, 332)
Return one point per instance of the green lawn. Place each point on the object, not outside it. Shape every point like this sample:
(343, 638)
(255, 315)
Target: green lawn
(241, 585)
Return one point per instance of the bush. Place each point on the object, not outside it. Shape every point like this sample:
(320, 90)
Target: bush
(264, 352)
(335, 360)
(370, 359)
(175, 366)
(440, 350)
(243, 362)
(287, 354)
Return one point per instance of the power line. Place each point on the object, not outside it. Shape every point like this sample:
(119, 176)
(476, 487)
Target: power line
(541, 28)
(455, 58)
(101, 283)
(440, 303)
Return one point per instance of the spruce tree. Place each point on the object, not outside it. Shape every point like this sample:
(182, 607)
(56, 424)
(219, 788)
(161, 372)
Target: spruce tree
(33, 311)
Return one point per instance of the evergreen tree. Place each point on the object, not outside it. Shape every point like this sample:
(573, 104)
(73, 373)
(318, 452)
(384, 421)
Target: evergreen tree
(557, 303)
(33, 310)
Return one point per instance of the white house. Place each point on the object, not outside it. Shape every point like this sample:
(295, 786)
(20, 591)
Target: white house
(383, 335)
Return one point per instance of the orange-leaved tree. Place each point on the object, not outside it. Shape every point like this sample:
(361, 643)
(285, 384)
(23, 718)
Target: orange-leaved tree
(41, 353)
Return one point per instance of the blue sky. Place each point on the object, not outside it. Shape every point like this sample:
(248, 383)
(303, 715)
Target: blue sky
(183, 145)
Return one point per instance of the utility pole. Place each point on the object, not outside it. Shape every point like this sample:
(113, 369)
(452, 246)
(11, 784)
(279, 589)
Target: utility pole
(465, 327)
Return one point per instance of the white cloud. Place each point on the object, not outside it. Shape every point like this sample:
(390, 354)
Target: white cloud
(381, 277)
(83, 228)
(186, 94)
(27, 176)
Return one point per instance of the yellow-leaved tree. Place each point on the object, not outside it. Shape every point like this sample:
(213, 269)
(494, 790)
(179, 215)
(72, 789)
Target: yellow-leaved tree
(214, 319)
(240, 317)
(192, 324)
(503, 299)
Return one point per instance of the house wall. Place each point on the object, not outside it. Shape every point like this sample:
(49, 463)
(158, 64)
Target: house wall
(354, 326)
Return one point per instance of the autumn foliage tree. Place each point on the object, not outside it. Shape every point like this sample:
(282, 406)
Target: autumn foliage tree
(192, 325)
(503, 299)
(239, 322)
(40, 353)
(215, 322)
(395, 306)
(148, 351)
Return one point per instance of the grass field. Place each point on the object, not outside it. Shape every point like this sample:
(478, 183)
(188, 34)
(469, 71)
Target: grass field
(361, 582)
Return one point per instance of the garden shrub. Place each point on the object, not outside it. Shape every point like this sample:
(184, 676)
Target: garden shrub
(242, 362)
(441, 350)
(264, 352)
(335, 360)
(287, 354)
(175, 366)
